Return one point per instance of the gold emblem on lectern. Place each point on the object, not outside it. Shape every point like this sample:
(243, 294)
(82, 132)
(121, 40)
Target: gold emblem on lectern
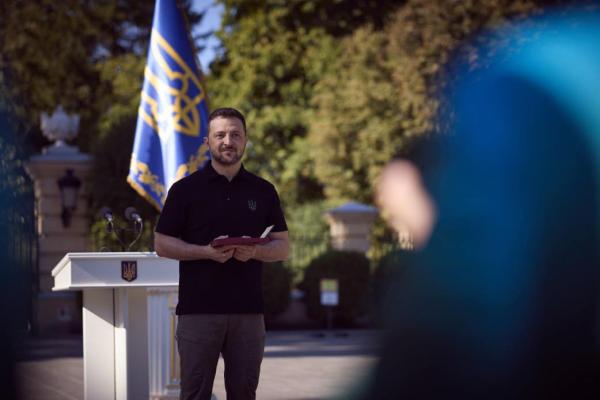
(129, 270)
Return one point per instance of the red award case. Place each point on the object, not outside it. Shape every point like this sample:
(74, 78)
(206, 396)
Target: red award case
(239, 241)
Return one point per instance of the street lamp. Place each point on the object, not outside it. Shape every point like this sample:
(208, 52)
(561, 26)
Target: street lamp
(69, 186)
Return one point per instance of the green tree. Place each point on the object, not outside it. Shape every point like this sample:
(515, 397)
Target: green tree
(274, 52)
(385, 87)
(423, 36)
(88, 56)
(52, 52)
(357, 127)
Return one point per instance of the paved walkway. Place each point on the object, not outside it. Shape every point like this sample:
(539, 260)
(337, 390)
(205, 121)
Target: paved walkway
(298, 365)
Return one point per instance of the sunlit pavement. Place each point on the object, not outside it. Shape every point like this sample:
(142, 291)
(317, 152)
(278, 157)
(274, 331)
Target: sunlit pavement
(297, 365)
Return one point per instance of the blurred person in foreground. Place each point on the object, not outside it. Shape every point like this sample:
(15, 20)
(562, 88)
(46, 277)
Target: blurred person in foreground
(220, 309)
(502, 300)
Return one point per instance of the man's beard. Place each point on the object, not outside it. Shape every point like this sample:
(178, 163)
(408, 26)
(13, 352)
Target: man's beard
(216, 156)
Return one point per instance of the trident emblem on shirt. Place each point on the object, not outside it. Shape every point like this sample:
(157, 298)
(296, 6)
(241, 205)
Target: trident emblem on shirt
(252, 205)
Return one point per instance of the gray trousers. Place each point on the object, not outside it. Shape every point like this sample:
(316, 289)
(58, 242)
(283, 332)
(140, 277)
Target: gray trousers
(240, 338)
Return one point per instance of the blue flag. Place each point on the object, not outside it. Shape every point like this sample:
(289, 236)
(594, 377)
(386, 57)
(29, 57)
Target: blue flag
(173, 113)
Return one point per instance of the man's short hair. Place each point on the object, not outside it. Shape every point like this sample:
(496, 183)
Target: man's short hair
(227, 112)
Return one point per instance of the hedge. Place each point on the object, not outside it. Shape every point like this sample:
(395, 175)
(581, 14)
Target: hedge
(351, 269)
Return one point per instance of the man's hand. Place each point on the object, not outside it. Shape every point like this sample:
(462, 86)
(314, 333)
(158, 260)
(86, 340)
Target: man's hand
(220, 254)
(244, 253)
(404, 201)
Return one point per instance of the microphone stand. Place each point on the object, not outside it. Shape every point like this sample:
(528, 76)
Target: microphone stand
(137, 227)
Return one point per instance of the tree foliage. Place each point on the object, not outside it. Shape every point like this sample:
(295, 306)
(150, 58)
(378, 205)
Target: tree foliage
(88, 56)
(385, 87)
(52, 53)
(274, 52)
(332, 89)
(357, 126)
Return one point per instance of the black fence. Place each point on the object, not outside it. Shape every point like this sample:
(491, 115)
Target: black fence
(21, 256)
(306, 248)
(18, 239)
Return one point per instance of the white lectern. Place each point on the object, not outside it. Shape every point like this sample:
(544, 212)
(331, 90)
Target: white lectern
(128, 322)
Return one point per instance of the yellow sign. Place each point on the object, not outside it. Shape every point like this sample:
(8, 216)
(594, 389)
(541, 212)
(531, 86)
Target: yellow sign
(329, 292)
(329, 285)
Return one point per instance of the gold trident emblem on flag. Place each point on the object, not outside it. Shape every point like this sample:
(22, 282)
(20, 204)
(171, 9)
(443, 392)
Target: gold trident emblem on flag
(175, 108)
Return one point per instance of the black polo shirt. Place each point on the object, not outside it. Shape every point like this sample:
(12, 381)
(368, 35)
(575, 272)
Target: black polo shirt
(205, 205)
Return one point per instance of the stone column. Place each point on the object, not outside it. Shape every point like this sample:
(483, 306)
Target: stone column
(350, 226)
(58, 312)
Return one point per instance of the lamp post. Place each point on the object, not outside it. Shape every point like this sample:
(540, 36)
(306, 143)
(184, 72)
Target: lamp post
(69, 186)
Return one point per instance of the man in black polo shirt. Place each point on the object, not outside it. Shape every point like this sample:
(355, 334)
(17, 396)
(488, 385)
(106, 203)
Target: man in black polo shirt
(220, 309)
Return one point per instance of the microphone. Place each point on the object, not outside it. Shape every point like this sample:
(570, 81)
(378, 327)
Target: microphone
(133, 215)
(106, 213)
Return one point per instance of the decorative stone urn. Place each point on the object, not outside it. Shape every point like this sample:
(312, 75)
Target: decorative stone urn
(60, 127)
(350, 226)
